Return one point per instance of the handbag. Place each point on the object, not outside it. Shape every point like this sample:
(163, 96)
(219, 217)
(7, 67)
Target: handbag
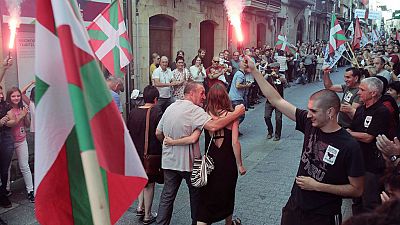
(151, 163)
(201, 168)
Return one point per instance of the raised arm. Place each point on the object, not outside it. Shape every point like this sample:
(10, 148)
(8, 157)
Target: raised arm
(328, 82)
(214, 125)
(4, 66)
(353, 189)
(273, 96)
(23, 90)
(193, 138)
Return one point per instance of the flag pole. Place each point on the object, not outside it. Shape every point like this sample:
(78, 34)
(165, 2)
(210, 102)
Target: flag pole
(354, 57)
(95, 188)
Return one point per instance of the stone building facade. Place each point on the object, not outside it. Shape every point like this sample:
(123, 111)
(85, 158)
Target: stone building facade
(166, 26)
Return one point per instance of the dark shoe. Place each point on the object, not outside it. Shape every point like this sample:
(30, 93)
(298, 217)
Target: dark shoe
(251, 107)
(236, 221)
(2, 222)
(240, 134)
(277, 138)
(269, 136)
(31, 197)
(151, 220)
(5, 202)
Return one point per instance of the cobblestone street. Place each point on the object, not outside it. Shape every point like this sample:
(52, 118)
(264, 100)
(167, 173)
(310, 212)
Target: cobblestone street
(260, 194)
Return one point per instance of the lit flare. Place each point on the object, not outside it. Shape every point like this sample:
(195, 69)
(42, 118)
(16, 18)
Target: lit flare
(234, 9)
(13, 24)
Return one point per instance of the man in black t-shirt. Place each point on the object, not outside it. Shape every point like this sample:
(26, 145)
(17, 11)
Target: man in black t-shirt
(369, 121)
(329, 168)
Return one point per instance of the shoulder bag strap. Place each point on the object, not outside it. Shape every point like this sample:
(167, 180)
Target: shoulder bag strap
(212, 137)
(146, 134)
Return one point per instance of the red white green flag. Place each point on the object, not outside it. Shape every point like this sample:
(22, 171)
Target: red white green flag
(109, 39)
(283, 44)
(76, 117)
(336, 36)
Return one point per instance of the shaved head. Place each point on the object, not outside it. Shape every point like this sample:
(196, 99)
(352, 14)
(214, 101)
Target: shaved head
(326, 99)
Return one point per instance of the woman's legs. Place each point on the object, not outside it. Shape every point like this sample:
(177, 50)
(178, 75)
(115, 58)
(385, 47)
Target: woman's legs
(21, 149)
(148, 194)
(140, 205)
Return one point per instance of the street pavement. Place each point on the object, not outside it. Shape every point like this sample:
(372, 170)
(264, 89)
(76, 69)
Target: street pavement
(260, 194)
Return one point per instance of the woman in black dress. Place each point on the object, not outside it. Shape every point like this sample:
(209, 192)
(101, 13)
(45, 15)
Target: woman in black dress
(217, 198)
(137, 128)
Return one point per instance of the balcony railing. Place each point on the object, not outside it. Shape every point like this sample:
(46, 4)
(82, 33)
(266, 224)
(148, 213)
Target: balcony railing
(264, 5)
(303, 2)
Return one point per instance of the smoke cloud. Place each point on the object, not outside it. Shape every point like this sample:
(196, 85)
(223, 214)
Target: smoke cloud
(234, 9)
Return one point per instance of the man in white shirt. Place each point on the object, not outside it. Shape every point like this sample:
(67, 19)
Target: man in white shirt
(181, 119)
(163, 80)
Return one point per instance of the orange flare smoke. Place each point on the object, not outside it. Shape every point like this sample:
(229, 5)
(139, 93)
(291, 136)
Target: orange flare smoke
(234, 9)
(13, 30)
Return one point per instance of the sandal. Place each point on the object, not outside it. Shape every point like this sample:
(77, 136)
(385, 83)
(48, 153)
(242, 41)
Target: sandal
(139, 212)
(151, 220)
(236, 221)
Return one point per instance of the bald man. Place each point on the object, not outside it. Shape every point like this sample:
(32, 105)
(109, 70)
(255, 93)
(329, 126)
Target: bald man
(329, 168)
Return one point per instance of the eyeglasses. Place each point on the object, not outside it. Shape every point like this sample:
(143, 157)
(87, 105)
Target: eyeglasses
(216, 61)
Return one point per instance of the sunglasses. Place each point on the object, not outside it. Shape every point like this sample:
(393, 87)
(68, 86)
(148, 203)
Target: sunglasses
(215, 61)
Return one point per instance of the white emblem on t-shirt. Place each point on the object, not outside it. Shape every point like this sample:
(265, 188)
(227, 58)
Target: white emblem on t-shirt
(367, 121)
(331, 154)
(348, 96)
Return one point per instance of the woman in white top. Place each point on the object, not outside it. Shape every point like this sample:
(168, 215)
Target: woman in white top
(197, 71)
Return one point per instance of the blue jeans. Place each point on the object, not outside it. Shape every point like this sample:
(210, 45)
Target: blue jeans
(234, 104)
(172, 182)
(6, 153)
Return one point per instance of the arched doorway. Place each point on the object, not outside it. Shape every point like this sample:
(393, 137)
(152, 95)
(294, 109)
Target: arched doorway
(207, 28)
(160, 30)
(300, 31)
(261, 34)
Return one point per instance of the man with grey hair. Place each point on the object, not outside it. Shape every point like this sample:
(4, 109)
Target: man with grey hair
(369, 121)
(114, 84)
(163, 80)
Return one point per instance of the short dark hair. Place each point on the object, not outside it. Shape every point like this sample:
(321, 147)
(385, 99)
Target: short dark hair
(200, 50)
(150, 93)
(179, 58)
(355, 72)
(395, 86)
(327, 99)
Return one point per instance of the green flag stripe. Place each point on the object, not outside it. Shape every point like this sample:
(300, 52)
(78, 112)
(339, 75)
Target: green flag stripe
(117, 62)
(96, 91)
(114, 14)
(81, 118)
(97, 35)
(78, 192)
(40, 89)
(125, 44)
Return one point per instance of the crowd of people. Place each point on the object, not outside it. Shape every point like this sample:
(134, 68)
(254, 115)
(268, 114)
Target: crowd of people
(350, 147)
(16, 116)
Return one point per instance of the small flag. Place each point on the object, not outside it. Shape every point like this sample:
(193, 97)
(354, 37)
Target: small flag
(357, 35)
(76, 118)
(283, 44)
(336, 36)
(109, 39)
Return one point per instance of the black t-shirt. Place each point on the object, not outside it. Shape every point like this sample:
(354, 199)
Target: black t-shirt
(4, 108)
(373, 120)
(276, 82)
(329, 158)
(137, 126)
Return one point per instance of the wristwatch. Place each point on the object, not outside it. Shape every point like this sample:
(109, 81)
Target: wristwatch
(393, 158)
